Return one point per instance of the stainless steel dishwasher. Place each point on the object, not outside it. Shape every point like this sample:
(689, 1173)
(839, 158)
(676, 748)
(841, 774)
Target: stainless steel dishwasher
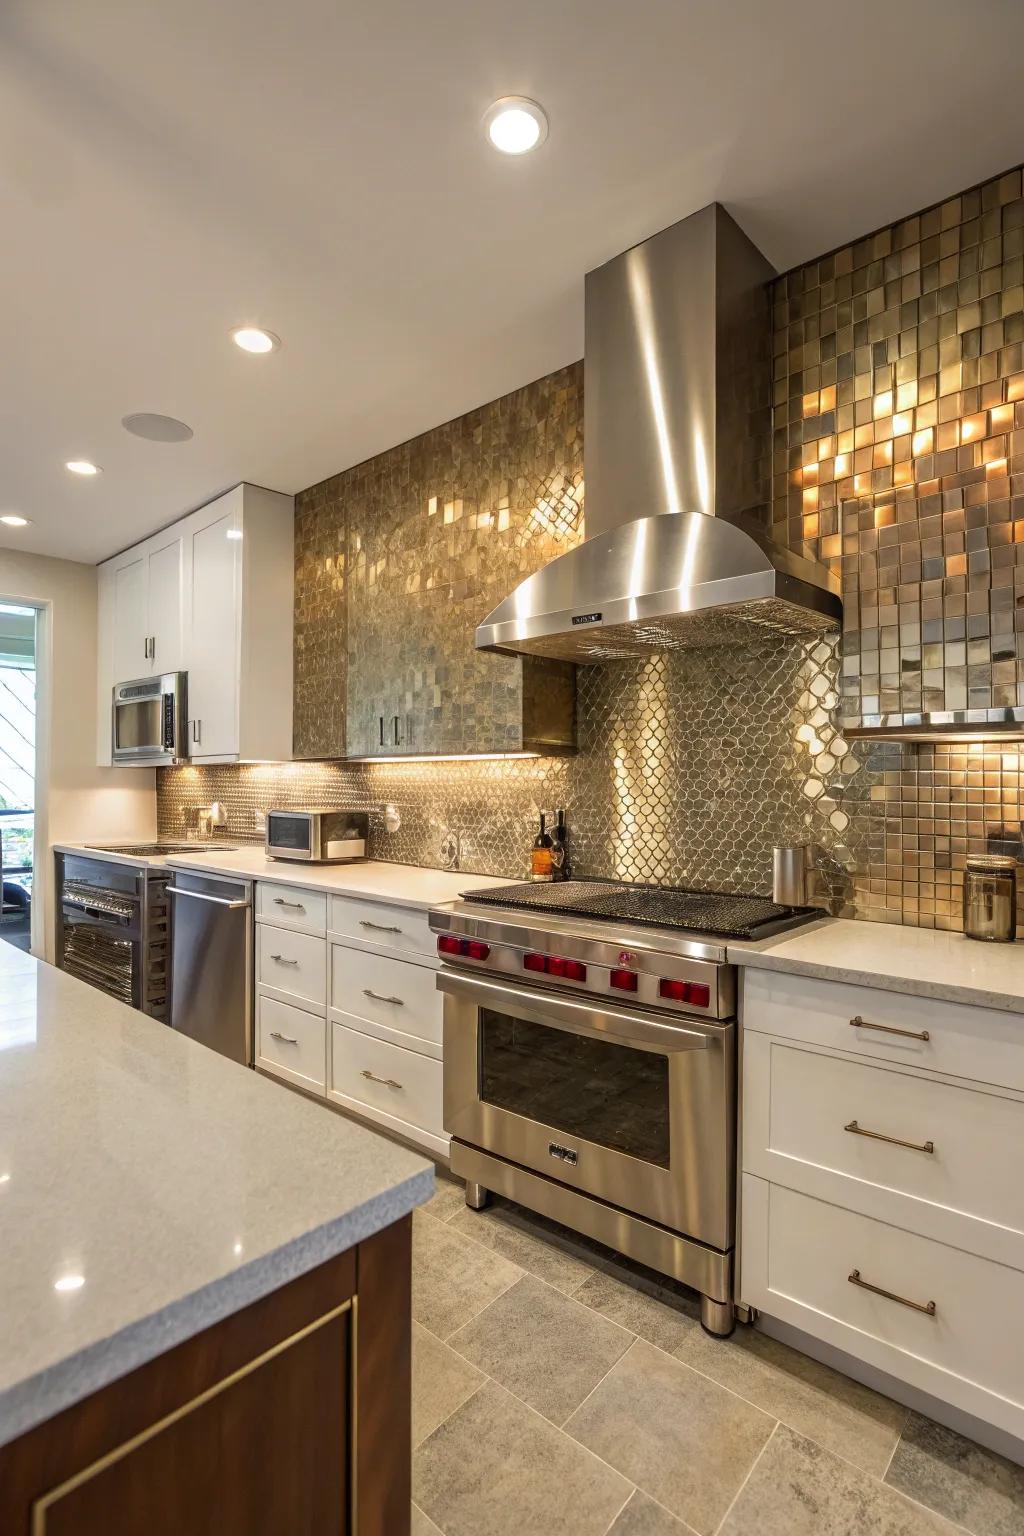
(212, 962)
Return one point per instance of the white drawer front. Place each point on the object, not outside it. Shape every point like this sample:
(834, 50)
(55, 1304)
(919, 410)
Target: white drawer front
(804, 1107)
(402, 930)
(290, 906)
(292, 962)
(800, 1254)
(387, 991)
(403, 1084)
(982, 1044)
(291, 1042)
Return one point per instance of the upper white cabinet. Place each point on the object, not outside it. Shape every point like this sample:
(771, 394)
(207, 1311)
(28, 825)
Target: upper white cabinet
(144, 591)
(212, 596)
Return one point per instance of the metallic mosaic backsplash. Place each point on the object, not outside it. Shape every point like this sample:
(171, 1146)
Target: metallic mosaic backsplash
(899, 450)
(899, 457)
(399, 558)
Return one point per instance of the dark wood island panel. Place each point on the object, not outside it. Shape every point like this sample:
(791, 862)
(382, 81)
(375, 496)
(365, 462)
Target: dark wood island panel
(288, 1418)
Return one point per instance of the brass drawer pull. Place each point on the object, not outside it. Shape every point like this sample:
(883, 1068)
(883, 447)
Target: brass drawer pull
(283, 960)
(385, 1082)
(279, 901)
(887, 1029)
(379, 998)
(896, 1141)
(927, 1307)
(275, 1034)
(378, 927)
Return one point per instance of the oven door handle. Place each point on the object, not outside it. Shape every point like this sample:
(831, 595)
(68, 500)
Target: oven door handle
(592, 1019)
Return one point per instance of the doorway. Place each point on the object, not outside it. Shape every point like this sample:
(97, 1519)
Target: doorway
(17, 771)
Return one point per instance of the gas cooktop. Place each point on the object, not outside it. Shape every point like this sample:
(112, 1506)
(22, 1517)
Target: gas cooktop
(713, 913)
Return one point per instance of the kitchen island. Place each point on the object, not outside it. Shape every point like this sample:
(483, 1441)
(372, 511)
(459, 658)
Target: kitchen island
(205, 1286)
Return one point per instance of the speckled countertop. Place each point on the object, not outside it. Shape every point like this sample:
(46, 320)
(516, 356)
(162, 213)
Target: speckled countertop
(922, 961)
(149, 1187)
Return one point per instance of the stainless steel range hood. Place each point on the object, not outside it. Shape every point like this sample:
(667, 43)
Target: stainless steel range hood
(677, 451)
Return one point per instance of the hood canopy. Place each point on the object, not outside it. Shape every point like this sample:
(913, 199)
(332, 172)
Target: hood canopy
(677, 581)
(677, 363)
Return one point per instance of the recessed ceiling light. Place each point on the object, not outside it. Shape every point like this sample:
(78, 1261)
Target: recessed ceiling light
(69, 1283)
(251, 339)
(515, 124)
(14, 520)
(156, 428)
(82, 467)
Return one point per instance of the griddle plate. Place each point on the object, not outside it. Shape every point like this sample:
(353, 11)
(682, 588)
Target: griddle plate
(707, 912)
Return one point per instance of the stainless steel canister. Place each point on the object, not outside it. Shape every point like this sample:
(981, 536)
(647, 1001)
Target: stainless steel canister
(990, 897)
(791, 870)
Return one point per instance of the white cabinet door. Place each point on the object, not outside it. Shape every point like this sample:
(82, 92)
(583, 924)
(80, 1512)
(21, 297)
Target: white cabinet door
(213, 654)
(164, 600)
(129, 630)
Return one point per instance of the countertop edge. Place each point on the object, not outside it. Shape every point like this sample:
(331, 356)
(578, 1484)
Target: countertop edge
(765, 960)
(292, 874)
(36, 1399)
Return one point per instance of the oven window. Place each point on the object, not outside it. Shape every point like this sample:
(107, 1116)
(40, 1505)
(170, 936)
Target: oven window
(139, 726)
(291, 832)
(611, 1094)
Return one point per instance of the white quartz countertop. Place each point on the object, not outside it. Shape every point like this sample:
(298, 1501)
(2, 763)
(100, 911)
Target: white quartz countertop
(405, 885)
(923, 961)
(150, 1187)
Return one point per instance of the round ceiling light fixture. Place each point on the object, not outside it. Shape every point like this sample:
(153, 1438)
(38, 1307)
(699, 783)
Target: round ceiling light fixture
(14, 520)
(515, 125)
(252, 338)
(156, 428)
(82, 467)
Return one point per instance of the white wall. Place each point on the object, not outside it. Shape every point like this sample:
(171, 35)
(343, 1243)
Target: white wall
(75, 800)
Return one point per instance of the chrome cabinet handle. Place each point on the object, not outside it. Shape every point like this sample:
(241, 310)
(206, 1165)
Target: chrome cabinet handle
(279, 901)
(275, 1034)
(196, 731)
(895, 1141)
(928, 1307)
(381, 719)
(283, 960)
(385, 1082)
(218, 901)
(378, 927)
(887, 1029)
(379, 998)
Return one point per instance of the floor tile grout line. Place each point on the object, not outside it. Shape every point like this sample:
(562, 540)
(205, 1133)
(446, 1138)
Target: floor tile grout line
(590, 1394)
(750, 1472)
(899, 1437)
(610, 1526)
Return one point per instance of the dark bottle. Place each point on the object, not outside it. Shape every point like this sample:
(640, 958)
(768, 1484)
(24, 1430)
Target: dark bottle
(560, 867)
(540, 856)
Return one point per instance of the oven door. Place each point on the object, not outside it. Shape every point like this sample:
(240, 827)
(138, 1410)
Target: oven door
(634, 1109)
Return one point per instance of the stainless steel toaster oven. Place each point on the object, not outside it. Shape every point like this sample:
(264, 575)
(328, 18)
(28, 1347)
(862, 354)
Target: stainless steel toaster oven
(324, 836)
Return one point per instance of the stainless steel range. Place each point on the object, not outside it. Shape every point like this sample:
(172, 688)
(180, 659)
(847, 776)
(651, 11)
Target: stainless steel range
(590, 1063)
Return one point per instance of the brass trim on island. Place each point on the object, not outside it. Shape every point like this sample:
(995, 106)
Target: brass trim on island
(42, 1505)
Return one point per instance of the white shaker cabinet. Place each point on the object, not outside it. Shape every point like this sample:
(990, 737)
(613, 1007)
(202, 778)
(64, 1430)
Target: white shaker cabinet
(238, 653)
(211, 595)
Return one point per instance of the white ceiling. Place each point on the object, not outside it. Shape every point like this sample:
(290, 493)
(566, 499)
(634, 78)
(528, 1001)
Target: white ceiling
(172, 168)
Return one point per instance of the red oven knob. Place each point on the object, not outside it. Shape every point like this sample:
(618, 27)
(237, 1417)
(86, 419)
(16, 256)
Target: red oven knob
(624, 981)
(675, 991)
(556, 965)
(535, 963)
(476, 951)
(448, 944)
(575, 970)
(698, 993)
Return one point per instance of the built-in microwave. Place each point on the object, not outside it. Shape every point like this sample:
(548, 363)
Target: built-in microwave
(317, 837)
(149, 726)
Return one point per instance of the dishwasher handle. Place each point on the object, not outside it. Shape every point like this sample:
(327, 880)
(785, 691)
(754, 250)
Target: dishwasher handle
(218, 901)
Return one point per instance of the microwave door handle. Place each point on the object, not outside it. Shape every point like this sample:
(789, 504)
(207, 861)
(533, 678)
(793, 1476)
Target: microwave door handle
(595, 1020)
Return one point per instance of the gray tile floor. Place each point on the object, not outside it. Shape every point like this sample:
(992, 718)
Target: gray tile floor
(555, 1393)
